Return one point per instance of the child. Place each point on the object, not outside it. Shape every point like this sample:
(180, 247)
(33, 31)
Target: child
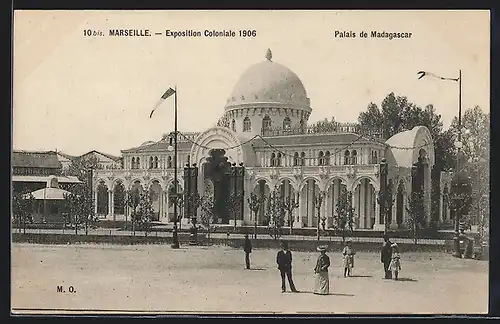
(395, 265)
(348, 258)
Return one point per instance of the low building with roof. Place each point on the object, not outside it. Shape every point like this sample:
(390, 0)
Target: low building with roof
(265, 128)
(32, 169)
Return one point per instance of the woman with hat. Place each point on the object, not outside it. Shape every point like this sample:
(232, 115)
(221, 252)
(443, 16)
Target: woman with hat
(395, 265)
(348, 258)
(321, 280)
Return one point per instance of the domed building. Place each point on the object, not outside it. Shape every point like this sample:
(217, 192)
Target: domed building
(262, 144)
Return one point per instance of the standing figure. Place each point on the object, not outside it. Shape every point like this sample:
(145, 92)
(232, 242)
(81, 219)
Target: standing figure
(396, 261)
(322, 281)
(284, 261)
(247, 247)
(348, 258)
(386, 257)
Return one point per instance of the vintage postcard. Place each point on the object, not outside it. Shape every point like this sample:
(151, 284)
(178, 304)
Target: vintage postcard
(250, 162)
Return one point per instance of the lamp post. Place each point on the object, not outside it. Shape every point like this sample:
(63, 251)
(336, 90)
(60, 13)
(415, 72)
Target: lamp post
(458, 144)
(383, 193)
(192, 199)
(175, 243)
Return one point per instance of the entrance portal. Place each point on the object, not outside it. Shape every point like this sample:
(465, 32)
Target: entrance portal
(216, 171)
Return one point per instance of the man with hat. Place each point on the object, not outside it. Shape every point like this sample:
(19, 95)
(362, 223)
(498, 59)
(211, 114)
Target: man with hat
(247, 247)
(284, 261)
(386, 256)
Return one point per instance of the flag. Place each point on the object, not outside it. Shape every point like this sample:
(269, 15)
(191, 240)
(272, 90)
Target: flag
(424, 73)
(167, 94)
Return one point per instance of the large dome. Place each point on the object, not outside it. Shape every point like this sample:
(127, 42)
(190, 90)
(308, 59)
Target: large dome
(268, 83)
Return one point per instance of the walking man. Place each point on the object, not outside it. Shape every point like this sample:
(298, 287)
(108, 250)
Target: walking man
(247, 247)
(386, 257)
(284, 261)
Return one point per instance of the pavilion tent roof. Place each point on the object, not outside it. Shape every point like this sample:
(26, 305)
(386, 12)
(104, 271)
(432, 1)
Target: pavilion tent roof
(49, 194)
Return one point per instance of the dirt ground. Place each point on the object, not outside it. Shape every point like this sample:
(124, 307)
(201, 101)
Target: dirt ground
(155, 278)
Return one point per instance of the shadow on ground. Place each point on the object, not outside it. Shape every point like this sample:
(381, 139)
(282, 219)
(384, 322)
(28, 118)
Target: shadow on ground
(407, 279)
(330, 294)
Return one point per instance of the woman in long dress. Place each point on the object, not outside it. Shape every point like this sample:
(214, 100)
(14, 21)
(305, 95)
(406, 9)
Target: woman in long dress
(322, 281)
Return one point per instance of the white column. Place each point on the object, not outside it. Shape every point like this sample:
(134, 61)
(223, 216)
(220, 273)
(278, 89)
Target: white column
(362, 207)
(336, 190)
(310, 207)
(427, 192)
(369, 205)
(355, 203)
(376, 226)
(95, 201)
(296, 212)
(110, 203)
(441, 205)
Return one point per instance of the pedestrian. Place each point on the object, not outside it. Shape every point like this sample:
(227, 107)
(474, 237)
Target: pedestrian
(247, 247)
(386, 257)
(348, 258)
(284, 261)
(322, 280)
(395, 265)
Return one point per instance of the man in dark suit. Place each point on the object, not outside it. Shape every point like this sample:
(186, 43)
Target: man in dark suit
(247, 247)
(386, 256)
(284, 261)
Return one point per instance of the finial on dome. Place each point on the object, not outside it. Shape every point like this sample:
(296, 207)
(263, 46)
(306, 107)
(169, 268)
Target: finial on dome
(269, 54)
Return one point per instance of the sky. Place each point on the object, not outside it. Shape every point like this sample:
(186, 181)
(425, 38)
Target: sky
(75, 93)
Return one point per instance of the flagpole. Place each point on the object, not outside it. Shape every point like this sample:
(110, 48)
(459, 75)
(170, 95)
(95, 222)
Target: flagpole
(175, 243)
(456, 239)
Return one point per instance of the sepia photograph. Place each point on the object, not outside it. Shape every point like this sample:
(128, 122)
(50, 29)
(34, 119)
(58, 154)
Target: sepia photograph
(250, 162)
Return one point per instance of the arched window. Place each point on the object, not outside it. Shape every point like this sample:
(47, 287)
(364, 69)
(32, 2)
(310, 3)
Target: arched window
(247, 125)
(320, 158)
(287, 123)
(347, 157)
(266, 123)
(296, 161)
(233, 125)
(354, 158)
(132, 163)
(374, 157)
(169, 162)
(302, 127)
(156, 162)
(278, 159)
(151, 162)
(138, 163)
(273, 159)
(303, 159)
(327, 158)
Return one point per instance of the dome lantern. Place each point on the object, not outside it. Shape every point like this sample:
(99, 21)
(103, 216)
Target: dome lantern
(269, 54)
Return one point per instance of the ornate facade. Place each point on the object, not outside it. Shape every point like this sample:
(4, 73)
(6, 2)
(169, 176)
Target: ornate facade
(266, 130)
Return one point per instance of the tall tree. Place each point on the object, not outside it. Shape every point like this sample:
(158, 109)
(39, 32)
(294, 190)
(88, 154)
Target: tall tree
(207, 213)
(475, 156)
(79, 206)
(325, 126)
(371, 120)
(22, 208)
(144, 212)
(275, 214)
(416, 217)
(133, 201)
(254, 204)
(343, 219)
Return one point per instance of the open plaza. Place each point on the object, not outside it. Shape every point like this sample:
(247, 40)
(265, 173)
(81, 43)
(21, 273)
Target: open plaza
(194, 279)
